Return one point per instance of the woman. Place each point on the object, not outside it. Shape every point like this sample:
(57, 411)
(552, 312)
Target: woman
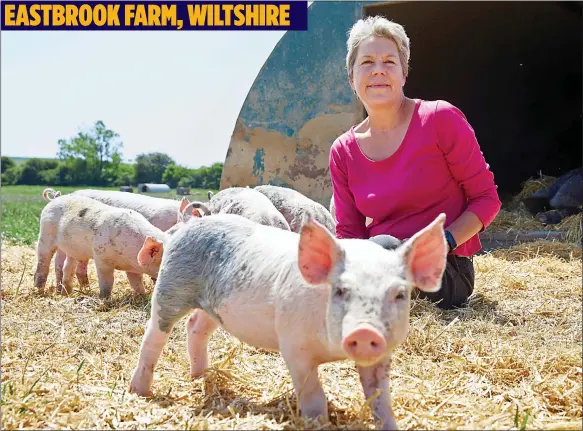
(408, 161)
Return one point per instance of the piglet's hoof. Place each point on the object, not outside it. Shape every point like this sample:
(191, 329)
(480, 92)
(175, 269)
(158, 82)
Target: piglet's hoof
(140, 384)
(135, 389)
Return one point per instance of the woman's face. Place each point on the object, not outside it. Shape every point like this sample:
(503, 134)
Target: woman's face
(377, 75)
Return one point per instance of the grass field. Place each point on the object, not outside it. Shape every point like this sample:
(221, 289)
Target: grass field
(21, 207)
(512, 359)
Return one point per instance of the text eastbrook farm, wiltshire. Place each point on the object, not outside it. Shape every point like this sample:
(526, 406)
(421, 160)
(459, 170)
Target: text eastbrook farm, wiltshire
(146, 14)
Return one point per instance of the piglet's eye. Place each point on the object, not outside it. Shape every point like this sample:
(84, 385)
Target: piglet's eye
(400, 296)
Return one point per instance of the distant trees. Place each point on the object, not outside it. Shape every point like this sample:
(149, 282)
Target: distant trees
(149, 168)
(94, 158)
(35, 171)
(204, 177)
(9, 171)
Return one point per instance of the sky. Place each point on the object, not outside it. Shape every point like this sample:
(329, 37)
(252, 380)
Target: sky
(177, 92)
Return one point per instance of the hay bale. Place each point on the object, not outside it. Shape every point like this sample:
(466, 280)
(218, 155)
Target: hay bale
(516, 215)
(573, 227)
(533, 185)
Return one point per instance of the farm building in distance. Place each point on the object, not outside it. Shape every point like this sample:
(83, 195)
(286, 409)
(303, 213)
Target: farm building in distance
(513, 68)
(153, 188)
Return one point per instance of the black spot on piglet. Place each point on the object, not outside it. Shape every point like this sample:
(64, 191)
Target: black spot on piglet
(83, 212)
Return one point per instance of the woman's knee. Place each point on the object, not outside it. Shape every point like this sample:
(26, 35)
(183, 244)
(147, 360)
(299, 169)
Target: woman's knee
(457, 285)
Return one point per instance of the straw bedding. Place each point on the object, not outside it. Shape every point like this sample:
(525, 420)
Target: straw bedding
(510, 360)
(514, 217)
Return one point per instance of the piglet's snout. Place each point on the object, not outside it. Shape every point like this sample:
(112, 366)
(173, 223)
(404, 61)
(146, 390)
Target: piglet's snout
(364, 342)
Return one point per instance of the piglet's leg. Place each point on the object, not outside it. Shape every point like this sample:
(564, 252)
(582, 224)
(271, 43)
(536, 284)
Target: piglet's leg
(105, 274)
(68, 271)
(373, 378)
(81, 273)
(199, 328)
(136, 282)
(60, 257)
(303, 369)
(44, 253)
(162, 320)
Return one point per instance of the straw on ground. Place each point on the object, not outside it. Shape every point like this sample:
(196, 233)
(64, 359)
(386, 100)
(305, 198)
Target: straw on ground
(511, 360)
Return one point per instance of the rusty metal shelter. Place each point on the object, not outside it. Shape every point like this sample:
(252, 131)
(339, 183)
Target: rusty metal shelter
(514, 69)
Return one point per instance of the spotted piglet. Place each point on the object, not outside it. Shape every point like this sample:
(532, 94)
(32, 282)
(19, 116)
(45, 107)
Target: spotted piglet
(308, 295)
(246, 202)
(82, 228)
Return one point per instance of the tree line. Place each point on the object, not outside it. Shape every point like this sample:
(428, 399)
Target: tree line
(94, 158)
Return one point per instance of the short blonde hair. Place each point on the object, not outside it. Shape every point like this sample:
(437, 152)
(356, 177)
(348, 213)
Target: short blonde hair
(378, 26)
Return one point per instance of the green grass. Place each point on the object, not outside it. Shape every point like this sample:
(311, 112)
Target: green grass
(22, 205)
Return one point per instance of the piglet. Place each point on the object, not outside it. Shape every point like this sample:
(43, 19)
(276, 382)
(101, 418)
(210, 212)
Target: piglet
(245, 202)
(308, 295)
(333, 209)
(295, 206)
(161, 212)
(82, 228)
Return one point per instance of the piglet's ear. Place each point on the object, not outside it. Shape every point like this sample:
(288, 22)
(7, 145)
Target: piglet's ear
(183, 204)
(189, 211)
(425, 256)
(149, 250)
(318, 252)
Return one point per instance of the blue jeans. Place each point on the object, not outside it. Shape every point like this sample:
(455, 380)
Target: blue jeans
(458, 279)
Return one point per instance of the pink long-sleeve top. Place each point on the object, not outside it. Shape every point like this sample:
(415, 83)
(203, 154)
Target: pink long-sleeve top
(437, 168)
